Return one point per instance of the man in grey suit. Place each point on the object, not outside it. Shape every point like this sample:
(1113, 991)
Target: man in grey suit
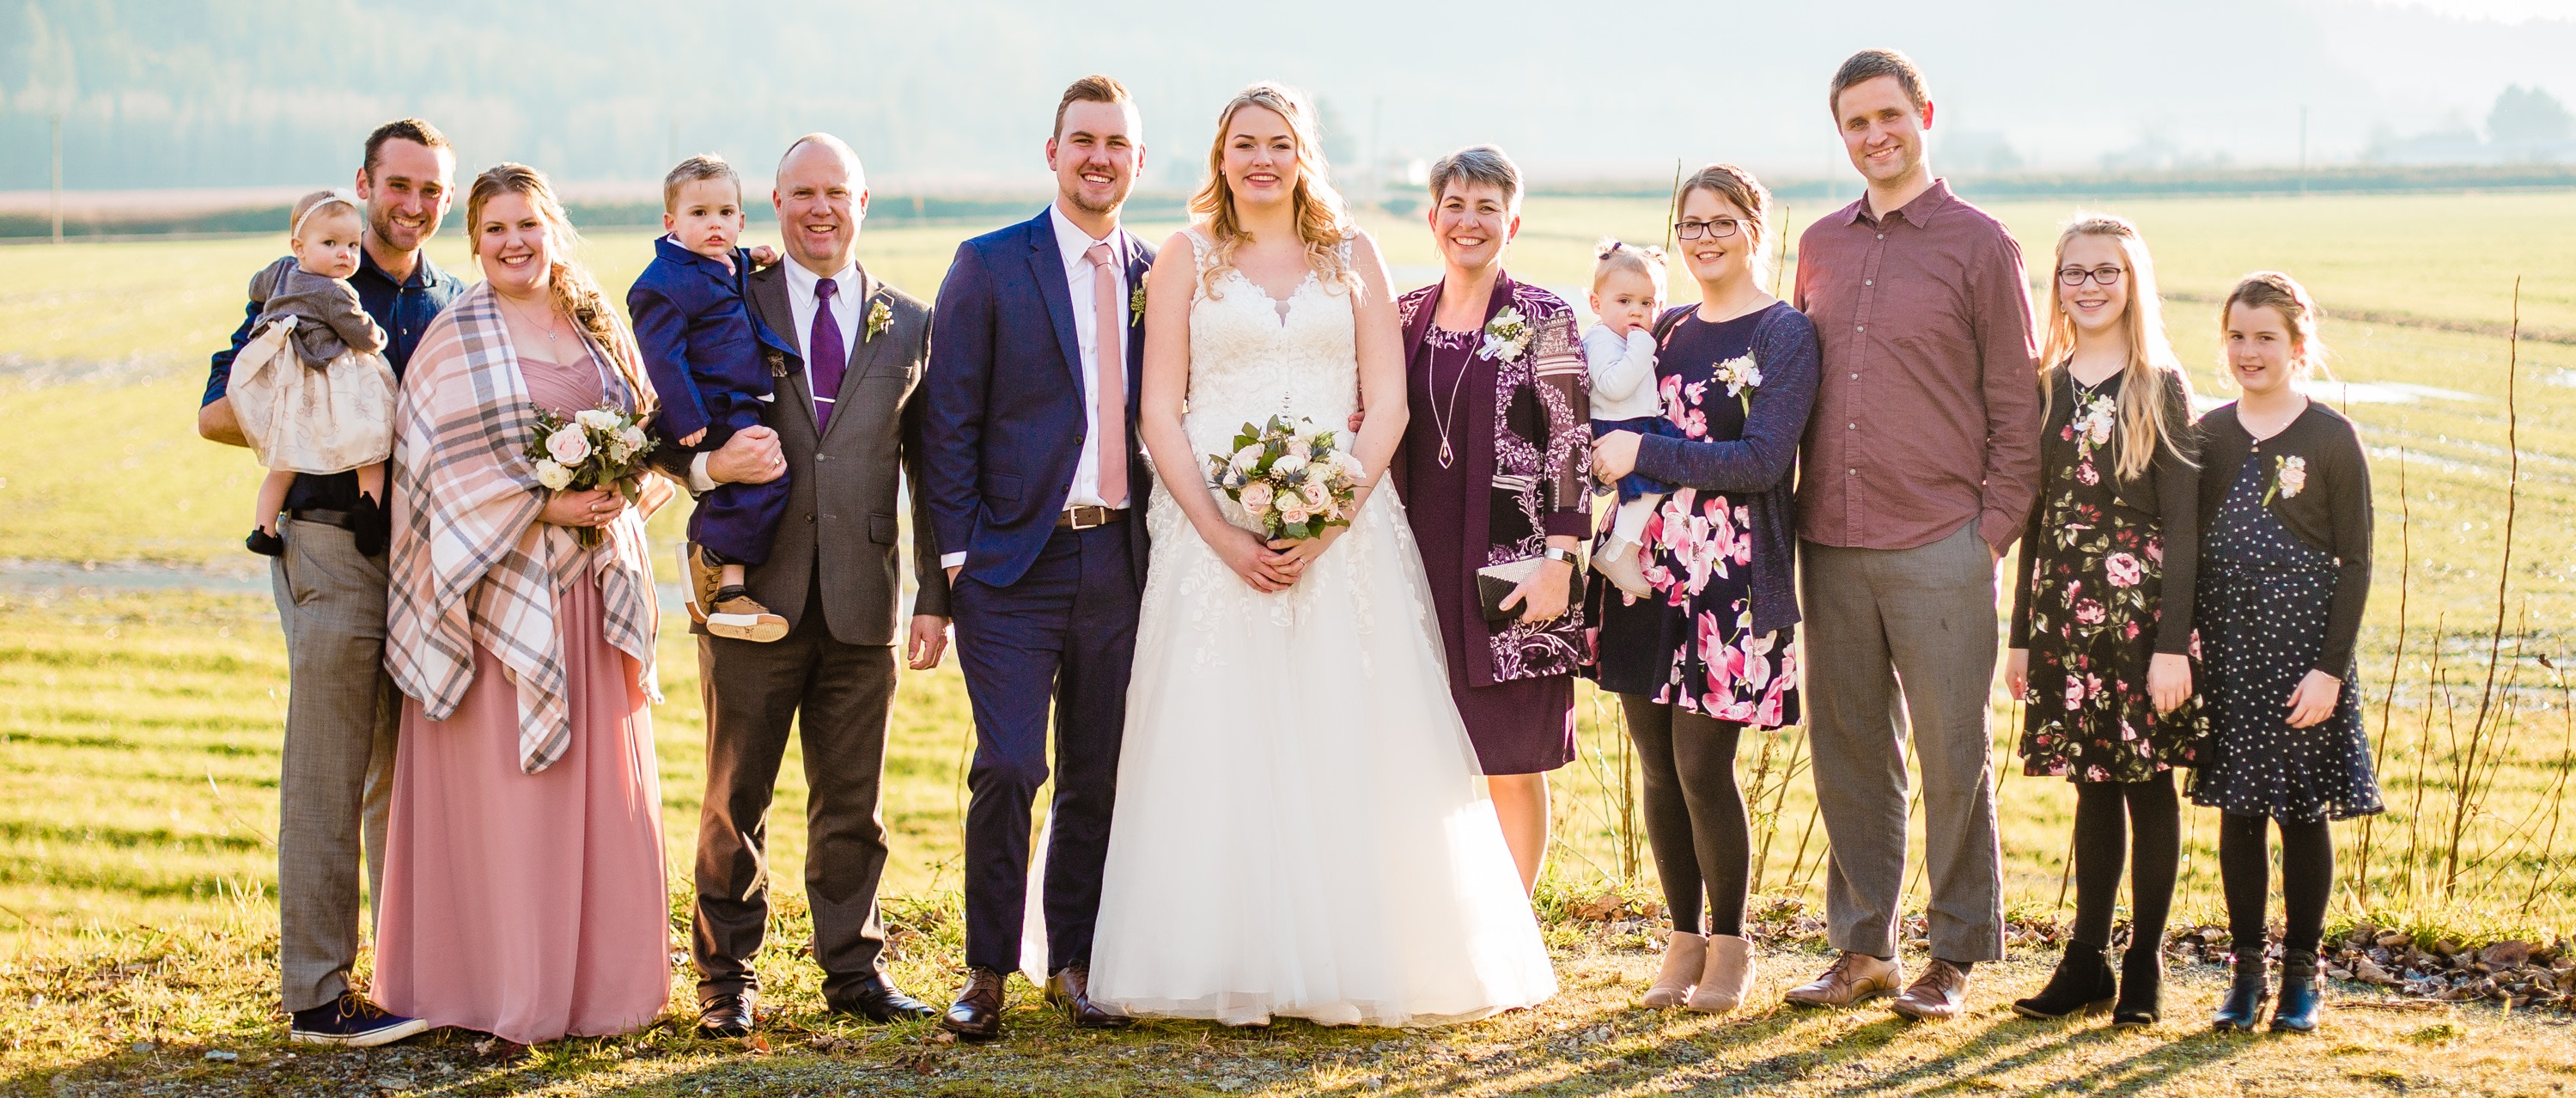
(844, 430)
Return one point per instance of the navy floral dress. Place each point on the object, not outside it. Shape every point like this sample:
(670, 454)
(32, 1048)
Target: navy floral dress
(2092, 610)
(1692, 644)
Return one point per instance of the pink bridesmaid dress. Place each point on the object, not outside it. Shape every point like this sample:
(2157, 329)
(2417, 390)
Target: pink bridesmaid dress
(530, 906)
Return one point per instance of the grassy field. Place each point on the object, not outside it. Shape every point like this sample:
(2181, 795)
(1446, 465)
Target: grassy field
(138, 731)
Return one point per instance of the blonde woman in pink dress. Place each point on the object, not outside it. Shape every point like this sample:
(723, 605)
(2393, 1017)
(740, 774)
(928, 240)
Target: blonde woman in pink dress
(524, 891)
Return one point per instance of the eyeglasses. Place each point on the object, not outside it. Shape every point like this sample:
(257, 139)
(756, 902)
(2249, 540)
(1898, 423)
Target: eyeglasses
(2077, 276)
(1718, 229)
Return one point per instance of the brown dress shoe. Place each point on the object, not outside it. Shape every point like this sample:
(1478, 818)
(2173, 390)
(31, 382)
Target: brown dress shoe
(1070, 988)
(1940, 993)
(977, 1014)
(1854, 977)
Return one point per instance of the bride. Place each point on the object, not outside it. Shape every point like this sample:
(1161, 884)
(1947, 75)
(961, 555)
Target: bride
(1299, 828)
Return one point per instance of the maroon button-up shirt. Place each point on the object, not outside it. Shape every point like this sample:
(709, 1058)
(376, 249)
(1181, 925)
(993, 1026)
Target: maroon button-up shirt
(1928, 413)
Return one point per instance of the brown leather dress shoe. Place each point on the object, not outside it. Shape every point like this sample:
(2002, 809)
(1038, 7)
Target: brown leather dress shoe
(977, 1014)
(1070, 988)
(1854, 977)
(1940, 993)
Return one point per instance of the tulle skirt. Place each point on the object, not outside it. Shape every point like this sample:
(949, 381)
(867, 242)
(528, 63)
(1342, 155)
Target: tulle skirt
(1300, 827)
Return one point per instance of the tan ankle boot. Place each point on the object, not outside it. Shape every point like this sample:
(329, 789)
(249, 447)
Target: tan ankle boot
(1728, 977)
(1685, 954)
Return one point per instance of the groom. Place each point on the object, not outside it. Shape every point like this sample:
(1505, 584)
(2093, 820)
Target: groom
(1030, 415)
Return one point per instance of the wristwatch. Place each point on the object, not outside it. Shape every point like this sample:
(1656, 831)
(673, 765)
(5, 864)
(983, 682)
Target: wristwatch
(1569, 556)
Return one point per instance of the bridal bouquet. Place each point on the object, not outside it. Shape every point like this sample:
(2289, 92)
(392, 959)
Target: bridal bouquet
(602, 447)
(1292, 475)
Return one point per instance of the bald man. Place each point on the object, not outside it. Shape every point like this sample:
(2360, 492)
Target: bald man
(844, 429)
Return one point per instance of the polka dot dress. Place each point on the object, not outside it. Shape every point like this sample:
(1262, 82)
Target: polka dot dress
(2263, 598)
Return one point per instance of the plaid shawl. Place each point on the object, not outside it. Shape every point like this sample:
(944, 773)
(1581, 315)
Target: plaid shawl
(471, 564)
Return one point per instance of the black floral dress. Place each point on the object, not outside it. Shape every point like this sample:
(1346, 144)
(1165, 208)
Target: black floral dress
(2091, 614)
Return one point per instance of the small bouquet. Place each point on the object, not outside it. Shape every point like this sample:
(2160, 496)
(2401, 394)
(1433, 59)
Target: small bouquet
(602, 447)
(1292, 475)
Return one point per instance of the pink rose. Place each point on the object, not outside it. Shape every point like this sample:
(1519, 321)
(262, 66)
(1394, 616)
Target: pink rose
(2123, 570)
(2084, 472)
(1256, 496)
(1292, 510)
(2074, 695)
(569, 444)
(2089, 612)
(1315, 495)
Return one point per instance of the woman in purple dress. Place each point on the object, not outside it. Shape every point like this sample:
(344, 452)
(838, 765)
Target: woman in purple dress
(1492, 473)
(1710, 652)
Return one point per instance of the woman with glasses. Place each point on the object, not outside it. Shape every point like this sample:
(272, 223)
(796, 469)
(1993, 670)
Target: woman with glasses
(1709, 652)
(2102, 609)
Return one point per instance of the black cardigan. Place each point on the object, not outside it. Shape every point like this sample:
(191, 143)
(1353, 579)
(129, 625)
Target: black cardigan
(2170, 492)
(2332, 512)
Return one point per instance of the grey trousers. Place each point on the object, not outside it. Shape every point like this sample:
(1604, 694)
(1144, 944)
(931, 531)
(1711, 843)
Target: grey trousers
(837, 697)
(1898, 636)
(336, 769)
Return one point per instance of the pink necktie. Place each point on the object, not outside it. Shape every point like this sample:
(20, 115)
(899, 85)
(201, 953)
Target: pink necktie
(1109, 372)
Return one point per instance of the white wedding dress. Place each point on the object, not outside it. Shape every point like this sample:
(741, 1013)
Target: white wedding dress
(1300, 830)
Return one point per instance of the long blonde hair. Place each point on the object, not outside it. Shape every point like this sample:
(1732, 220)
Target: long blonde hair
(2144, 421)
(1322, 221)
(575, 293)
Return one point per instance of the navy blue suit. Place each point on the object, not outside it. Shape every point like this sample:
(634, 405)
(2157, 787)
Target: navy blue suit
(703, 350)
(1044, 617)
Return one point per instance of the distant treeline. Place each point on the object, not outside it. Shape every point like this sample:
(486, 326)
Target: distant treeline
(1171, 205)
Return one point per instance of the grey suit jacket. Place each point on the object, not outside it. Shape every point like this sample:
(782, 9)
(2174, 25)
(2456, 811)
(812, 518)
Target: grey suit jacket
(841, 526)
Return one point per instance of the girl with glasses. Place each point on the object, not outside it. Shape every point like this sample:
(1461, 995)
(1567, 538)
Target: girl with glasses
(2102, 607)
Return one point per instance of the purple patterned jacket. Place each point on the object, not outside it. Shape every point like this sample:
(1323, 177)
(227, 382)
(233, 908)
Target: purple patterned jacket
(1533, 443)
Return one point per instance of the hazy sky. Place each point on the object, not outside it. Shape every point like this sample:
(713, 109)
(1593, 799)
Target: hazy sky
(176, 93)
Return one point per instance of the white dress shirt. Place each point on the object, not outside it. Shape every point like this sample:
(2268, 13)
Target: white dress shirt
(1074, 245)
(800, 304)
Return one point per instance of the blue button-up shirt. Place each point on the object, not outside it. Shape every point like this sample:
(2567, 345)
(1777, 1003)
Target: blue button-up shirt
(403, 309)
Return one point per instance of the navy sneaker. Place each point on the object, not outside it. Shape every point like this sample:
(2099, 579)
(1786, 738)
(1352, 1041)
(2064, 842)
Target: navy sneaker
(353, 1022)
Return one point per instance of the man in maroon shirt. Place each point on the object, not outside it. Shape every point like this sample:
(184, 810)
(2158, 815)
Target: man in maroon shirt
(1919, 466)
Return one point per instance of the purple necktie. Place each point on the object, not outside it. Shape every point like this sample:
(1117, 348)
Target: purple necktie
(827, 354)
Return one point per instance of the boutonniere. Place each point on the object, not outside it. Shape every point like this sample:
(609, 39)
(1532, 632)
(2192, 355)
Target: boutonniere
(880, 318)
(1742, 375)
(1506, 336)
(777, 361)
(1136, 306)
(2289, 476)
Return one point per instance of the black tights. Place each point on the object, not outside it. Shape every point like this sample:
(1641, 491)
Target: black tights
(2307, 880)
(1695, 817)
(2105, 815)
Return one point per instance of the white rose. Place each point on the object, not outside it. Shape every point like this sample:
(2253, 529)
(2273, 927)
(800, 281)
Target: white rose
(553, 475)
(569, 444)
(1247, 458)
(1348, 465)
(1288, 465)
(633, 437)
(597, 419)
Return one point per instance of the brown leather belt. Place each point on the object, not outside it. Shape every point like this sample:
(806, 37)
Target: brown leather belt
(1085, 516)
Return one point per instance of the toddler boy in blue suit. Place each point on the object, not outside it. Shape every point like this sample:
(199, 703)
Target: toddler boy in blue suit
(704, 351)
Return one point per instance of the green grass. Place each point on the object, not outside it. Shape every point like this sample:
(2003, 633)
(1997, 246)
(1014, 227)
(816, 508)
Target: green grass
(138, 732)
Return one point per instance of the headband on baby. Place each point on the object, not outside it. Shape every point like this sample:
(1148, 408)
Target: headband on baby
(333, 198)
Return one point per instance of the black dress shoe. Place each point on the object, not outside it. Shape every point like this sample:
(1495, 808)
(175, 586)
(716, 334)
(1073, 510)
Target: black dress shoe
(727, 1015)
(1070, 988)
(877, 999)
(977, 1014)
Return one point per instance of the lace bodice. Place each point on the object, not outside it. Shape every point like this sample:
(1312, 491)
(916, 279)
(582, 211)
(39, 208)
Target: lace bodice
(1252, 356)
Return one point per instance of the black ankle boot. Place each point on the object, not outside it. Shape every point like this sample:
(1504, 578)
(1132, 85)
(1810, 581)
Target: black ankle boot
(370, 526)
(2142, 985)
(2243, 1005)
(2082, 984)
(2299, 996)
